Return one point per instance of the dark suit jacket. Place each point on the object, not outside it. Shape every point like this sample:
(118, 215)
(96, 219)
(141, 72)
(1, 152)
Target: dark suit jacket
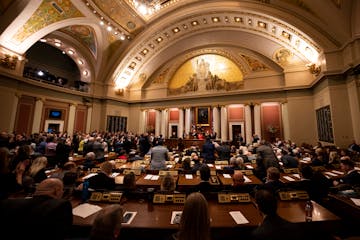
(352, 178)
(40, 217)
(101, 181)
(208, 152)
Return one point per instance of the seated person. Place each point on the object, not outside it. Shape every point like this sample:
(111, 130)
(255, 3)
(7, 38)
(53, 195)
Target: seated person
(133, 156)
(89, 161)
(107, 223)
(186, 165)
(236, 163)
(197, 163)
(273, 227)
(45, 215)
(168, 183)
(103, 180)
(204, 185)
(272, 183)
(288, 160)
(223, 151)
(351, 177)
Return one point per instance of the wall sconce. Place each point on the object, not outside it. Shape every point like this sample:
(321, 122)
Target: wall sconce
(313, 68)
(119, 91)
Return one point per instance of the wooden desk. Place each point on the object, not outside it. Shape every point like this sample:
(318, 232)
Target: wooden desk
(295, 178)
(154, 219)
(148, 183)
(229, 181)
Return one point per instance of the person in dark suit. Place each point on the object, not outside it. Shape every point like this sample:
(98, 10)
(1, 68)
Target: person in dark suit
(265, 158)
(208, 151)
(351, 177)
(272, 183)
(274, 227)
(223, 151)
(204, 185)
(44, 216)
(103, 180)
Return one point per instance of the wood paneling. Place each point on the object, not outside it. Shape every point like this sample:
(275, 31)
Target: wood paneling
(25, 115)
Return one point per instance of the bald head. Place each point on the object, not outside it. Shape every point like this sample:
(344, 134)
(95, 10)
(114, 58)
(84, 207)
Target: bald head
(52, 187)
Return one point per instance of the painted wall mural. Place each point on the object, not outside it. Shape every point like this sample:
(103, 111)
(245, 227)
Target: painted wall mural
(49, 11)
(208, 72)
(84, 34)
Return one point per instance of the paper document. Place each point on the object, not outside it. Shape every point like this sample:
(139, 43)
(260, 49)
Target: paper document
(188, 176)
(337, 172)
(249, 167)
(247, 180)
(114, 174)
(169, 166)
(296, 175)
(89, 176)
(356, 201)
(289, 178)
(331, 174)
(218, 167)
(155, 177)
(119, 179)
(84, 210)
(238, 217)
(175, 217)
(148, 177)
(210, 165)
(128, 217)
(226, 175)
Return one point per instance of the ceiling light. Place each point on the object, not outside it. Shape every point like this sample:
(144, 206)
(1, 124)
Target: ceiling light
(85, 72)
(109, 28)
(81, 62)
(43, 40)
(71, 52)
(58, 44)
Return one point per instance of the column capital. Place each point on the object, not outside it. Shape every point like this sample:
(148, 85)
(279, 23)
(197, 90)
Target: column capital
(18, 95)
(73, 104)
(284, 101)
(40, 99)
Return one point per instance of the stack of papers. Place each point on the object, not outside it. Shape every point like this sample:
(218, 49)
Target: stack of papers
(85, 210)
(226, 175)
(289, 178)
(188, 176)
(296, 175)
(247, 180)
(238, 217)
(151, 177)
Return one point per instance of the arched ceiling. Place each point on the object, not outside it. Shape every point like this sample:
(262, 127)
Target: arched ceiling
(125, 47)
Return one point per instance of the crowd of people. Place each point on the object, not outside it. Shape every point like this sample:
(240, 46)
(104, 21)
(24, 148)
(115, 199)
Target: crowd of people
(25, 161)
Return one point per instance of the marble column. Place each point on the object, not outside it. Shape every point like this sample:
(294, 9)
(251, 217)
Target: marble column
(163, 124)
(216, 121)
(157, 122)
(37, 115)
(88, 119)
(71, 119)
(257, 120)
(248, 124)
(187, 120)
(224, 124)
(285, 120)
(142, 122)
(181, 123)
(14, 111)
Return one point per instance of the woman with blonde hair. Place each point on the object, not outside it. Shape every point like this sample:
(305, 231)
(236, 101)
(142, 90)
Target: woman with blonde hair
(195, 219)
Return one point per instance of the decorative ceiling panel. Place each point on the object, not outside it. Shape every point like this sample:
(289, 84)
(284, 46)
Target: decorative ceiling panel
(48, 12)
(83, 34)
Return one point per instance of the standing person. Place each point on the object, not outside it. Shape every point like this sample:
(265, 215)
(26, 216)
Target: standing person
(159, 156)
(265, 158)
(208, 151)
(195, 219)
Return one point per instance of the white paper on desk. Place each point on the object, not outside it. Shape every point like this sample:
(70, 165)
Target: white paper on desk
(296, 175)
(247, 180)
(356, 201)
(188, 176)
(155, 177)
(289, 178)
(169, 166)
(130, 219)
(337, 172)
(249, 167)
(114, 174)
(89, 176)
(119, 179)
(148, 177)
(84, 210)
(331, 174)
(238, 217)
(175, 217)
(226, 175)
(218, 167)
(210, 165)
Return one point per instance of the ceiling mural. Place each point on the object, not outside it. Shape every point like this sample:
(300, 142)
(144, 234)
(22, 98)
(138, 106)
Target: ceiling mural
(283, 56)
(119, 12)
(204, 73)
(83, 34)
(48, 12)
